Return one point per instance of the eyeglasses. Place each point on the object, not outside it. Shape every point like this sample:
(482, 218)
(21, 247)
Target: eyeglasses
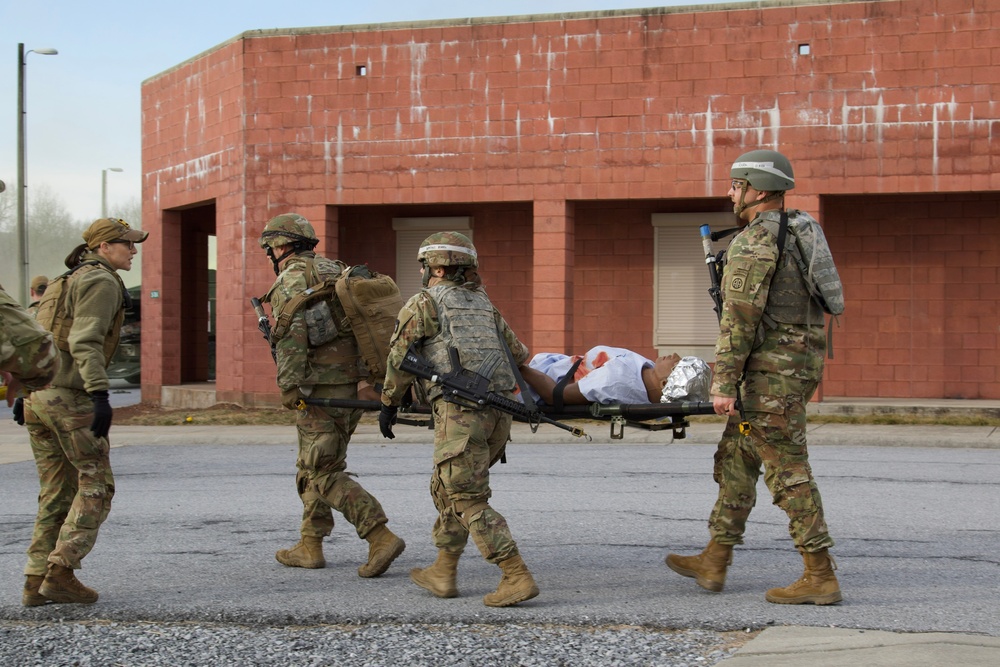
(737, 185)
(130, 244)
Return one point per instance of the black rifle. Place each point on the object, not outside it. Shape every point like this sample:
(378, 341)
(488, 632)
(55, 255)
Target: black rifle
(264, 324)
(472, 388)
(714, 263)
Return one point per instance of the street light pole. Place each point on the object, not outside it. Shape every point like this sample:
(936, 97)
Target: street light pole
(104, 189)
(22, 184)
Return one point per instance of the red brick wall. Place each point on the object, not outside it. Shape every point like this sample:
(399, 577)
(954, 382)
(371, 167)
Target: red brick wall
(923, 311)
(561, 117)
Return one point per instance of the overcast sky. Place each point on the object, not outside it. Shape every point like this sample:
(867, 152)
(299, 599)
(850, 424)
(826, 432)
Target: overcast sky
(83, 105)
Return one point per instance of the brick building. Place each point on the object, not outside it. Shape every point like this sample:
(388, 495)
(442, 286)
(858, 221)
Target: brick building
(582, 152)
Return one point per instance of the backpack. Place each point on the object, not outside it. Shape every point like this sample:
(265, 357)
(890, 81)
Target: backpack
(815, 261)
(372, 303)
(52, 313)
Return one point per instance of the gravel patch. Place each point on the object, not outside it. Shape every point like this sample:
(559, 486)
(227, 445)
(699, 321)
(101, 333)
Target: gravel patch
(85, 644)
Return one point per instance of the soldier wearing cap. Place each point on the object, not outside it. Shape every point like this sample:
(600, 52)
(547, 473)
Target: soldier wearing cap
(38, 285)
(454, 312)
(771, 346)
(318, 357)
(69, 421)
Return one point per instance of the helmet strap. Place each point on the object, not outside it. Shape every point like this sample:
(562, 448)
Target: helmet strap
(771, 196)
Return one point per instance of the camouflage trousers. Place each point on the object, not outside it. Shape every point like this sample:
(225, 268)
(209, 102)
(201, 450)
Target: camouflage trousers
(74, 473)
(776, 410)
(466, 443)
(322, 481)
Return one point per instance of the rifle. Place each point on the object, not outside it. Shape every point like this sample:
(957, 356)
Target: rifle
(715, 291)
(264, 324)
(714, 262)
(472, 388)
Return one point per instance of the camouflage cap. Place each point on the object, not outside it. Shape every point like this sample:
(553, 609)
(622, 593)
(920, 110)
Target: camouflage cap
(39, 282)
(448, 249)
(111, 229)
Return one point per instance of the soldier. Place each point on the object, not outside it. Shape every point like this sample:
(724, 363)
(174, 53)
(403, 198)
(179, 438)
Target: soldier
(771, 344)
(317, 357)
(38, 285)
(453, 311)
(69, 421)
(28, 359)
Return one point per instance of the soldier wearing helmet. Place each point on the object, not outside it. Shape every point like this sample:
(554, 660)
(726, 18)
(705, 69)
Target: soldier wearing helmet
(770, 354)
(317, 357)
(454, 312)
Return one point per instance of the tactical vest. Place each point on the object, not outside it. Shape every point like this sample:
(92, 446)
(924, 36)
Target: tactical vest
(789, 299)
(466, 323)
(331, 340)
(56, 311)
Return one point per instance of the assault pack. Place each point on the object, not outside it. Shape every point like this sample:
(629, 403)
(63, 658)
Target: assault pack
(812, 254)
(52, 313)
(370, 302)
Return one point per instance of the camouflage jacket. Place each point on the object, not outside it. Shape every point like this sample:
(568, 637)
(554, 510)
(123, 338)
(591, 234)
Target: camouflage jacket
(299, 364)
(96, 298)
(418, 321)
(747, 339)
(26, 349)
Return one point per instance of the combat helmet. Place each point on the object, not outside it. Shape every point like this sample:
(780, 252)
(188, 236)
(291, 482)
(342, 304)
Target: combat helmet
(764, 170)
(289, 229)
(451, 249)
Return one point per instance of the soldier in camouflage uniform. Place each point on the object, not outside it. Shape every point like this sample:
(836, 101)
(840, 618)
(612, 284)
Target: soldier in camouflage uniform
(38, 285)
(771, 345)
(453, 311)
(318, 357)
(69, 421)
(28, 357)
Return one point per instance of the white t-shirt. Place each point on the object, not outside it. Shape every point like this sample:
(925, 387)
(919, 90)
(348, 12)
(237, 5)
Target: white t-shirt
(606, 375)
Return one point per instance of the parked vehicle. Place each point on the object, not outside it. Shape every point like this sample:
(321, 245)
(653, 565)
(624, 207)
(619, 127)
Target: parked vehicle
(125, 363)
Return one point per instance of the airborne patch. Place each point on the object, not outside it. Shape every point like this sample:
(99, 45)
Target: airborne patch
(738, 283)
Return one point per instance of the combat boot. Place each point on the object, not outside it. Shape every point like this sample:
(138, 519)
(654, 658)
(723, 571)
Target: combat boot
(441, 578)
(516, 584)
(708, 568)
(818, 584)
(61, 585)
(383, 548)
(31, 597)
(307, 553)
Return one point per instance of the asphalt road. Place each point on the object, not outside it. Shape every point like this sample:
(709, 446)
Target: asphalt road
(193, 531)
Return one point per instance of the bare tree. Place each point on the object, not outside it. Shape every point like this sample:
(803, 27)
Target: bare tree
(52, 234)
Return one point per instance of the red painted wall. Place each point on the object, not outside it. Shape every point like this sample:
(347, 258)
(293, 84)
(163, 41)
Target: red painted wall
(562, 135)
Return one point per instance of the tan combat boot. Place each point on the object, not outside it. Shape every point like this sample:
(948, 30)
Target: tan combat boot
(61, 585)
(516, 584)
(307, 553)
(31, 597)
(383, 548)
(441, 578)
(818, 584)
(708, 568)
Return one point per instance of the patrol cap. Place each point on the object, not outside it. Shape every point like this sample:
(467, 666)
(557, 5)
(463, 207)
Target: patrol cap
(112, 229)
(39, 282)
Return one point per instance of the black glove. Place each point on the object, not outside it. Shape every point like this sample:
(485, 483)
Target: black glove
(102, 413)
(386, 418)
(19, 411)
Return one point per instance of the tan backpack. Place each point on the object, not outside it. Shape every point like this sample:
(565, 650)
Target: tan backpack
(372, 303)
